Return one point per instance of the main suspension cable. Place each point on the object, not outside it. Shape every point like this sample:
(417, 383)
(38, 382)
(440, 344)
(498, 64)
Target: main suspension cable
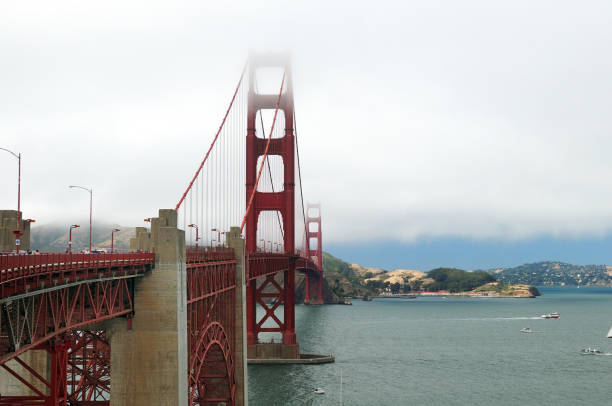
(215, 139)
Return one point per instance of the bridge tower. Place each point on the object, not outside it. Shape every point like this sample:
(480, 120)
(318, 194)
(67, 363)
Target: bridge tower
(281, 201)
(314, 280)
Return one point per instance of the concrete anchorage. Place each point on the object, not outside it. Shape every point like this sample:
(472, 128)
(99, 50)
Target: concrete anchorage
(149, 361)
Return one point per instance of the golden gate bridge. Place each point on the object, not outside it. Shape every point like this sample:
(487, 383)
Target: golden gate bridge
(174, 320)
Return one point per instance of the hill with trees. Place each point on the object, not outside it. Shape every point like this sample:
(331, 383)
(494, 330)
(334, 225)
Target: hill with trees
(555, 273)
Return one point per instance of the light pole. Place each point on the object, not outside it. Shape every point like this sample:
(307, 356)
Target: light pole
(90, 208)
(213, 230)
(115, 230)
(197, 232)
(70, 237)
(17, 232)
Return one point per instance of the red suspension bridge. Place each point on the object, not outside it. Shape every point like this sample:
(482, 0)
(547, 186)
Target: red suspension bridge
(174, 321)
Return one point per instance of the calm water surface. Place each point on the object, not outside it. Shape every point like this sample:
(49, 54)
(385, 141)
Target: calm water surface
(451, 351)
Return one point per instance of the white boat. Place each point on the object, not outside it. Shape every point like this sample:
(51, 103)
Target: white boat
(526, 330)
(591, 351)
(319, 391)
(553, 315)
(610, 333)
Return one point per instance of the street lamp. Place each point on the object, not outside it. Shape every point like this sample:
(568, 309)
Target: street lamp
(70, 237)
(197, 232)
(90, 207)
(17, 232)
(115, 230)
(213, 230)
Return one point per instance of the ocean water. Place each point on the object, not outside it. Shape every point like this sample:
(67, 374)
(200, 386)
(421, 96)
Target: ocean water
(455, 351)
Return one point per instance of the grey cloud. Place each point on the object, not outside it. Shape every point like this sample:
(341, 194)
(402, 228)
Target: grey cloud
(416, 119)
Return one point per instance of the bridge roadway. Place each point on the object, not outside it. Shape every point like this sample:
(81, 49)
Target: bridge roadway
(60, 315)
(77, 289)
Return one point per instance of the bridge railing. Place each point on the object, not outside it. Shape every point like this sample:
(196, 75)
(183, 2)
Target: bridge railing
(208, 254)
(65, 267)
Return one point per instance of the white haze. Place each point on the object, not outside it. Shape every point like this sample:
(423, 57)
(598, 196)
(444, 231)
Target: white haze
(416, 119)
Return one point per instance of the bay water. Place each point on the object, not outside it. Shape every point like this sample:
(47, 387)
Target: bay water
(449, 351)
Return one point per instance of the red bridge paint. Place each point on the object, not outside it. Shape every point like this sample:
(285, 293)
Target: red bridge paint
(48, 301)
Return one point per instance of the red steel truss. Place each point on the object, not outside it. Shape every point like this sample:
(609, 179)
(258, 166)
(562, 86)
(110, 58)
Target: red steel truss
(45, 300)
(79, 373)
(269, 294)
(211, 319)
(88, 368)
(68, 292)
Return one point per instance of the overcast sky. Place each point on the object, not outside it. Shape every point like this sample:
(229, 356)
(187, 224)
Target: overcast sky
(417, 119)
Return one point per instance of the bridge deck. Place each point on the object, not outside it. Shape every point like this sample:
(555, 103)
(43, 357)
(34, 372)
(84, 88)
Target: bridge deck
(24, 274)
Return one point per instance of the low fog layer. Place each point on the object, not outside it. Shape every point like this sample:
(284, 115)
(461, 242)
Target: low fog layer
(416, 119)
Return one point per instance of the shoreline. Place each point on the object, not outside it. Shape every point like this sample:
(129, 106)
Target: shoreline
(470, 295)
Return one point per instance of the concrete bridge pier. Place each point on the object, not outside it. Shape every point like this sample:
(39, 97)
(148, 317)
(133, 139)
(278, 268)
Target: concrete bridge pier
(149, 361)
(236, 243)
(8, 224)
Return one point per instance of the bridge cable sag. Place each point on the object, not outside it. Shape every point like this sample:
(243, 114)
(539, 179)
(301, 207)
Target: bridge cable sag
(178, 205)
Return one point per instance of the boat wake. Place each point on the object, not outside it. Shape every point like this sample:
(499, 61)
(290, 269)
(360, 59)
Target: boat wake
(496, 318)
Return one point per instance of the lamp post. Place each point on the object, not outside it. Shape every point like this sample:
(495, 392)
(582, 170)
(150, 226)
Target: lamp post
(115, 230)
(90, 207)
(70, 237)
(18, 231)
(197, 232)
(213, 230)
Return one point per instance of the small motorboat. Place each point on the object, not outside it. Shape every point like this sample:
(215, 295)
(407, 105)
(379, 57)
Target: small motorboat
(591, 351)
(319, 391)
(553, 315)
(526, 330)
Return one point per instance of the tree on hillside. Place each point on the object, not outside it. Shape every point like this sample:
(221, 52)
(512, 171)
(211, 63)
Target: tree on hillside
(457, 280)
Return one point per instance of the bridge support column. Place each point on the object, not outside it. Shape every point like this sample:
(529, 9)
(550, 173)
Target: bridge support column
(289, 309)
(149, 362)
(236, 243)
(313, 285)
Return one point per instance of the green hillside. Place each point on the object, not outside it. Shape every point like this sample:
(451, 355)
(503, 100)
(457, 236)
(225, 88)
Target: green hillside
(341, 278)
